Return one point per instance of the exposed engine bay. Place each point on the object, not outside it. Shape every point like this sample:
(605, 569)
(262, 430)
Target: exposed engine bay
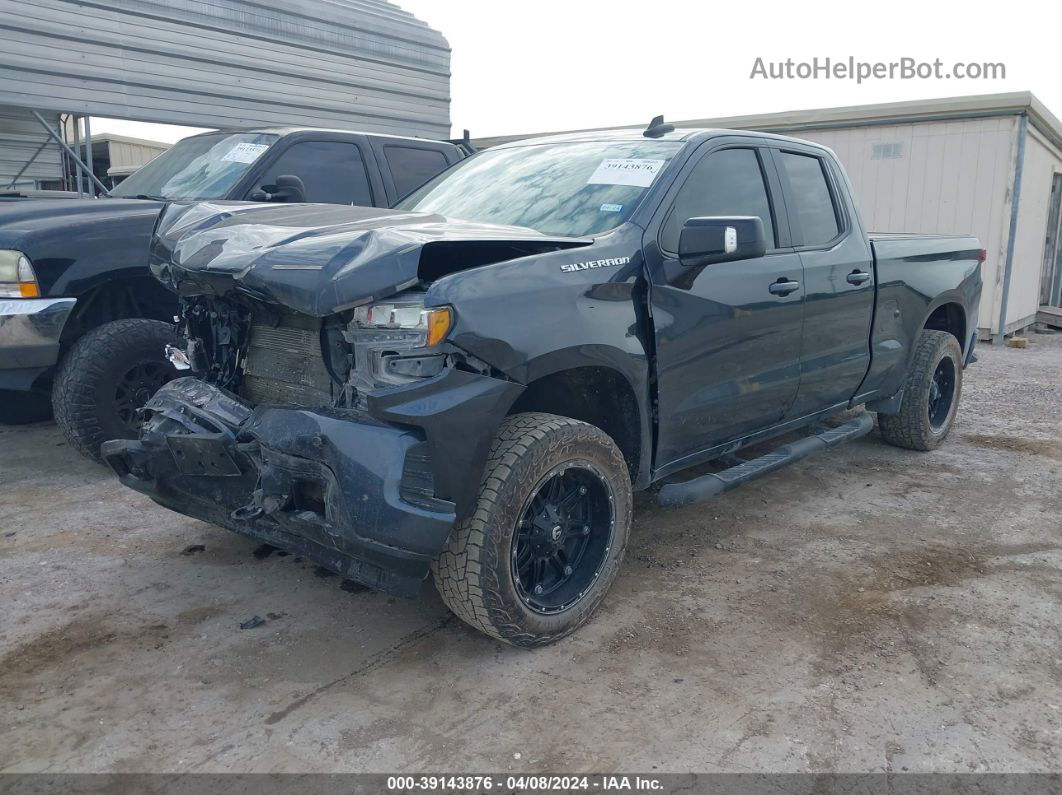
(272, 355)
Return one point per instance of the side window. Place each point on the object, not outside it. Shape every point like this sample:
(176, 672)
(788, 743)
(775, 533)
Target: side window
(411, 167)
(729, 182)
(811, 195)
(333, 172)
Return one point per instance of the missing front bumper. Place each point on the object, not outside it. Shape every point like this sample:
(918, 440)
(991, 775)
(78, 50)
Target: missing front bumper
(328, 486)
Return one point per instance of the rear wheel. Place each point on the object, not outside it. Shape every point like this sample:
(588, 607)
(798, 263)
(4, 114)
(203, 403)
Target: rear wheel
(931, 394)
(106, 377)
(547, 534)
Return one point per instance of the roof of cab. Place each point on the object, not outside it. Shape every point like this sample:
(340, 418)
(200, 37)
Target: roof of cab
(282, 131)
(681, 135)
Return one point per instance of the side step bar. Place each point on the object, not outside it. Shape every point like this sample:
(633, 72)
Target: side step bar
(712, 485)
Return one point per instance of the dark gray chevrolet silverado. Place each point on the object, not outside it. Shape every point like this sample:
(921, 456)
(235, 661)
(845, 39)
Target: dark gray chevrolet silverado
(473, 383)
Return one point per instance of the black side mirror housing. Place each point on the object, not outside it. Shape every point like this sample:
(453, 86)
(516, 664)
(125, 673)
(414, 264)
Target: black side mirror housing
(288, 188)
(708, 240)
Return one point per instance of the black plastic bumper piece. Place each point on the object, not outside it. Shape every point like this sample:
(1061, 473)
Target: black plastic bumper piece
(714, 484)
(326, 486)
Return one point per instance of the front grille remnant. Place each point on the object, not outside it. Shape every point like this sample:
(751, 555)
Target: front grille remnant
(284, 363)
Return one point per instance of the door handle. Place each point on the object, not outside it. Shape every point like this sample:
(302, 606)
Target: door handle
(783, 286)
(858, 277)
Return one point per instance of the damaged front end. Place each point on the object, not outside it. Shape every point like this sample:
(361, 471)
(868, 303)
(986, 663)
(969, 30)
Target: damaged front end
(353, 435)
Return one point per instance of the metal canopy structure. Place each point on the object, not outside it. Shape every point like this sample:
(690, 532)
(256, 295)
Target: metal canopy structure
(352, 64)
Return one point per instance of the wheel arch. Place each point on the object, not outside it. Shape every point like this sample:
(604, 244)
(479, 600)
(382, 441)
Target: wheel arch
(600, 394)
(948, 314)
(125, 296)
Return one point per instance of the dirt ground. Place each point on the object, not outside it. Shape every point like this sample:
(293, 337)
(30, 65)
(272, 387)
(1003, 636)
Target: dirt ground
(868, 609)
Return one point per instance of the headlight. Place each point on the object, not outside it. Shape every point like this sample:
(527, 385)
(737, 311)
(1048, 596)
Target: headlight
(429, 327)
(17, 279)
(394, 342)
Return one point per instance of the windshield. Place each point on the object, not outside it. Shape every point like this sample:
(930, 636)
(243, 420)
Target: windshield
(202, 167)
(569, 189)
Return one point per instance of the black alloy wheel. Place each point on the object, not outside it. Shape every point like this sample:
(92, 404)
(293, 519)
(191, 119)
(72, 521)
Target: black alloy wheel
(563, 537)
(136, 387)
(941, 393)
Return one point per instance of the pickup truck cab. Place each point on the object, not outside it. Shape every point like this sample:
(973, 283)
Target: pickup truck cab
(81, 316)
(473, 383)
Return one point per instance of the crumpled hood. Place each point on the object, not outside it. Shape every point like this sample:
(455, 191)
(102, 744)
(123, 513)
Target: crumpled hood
(319, 259)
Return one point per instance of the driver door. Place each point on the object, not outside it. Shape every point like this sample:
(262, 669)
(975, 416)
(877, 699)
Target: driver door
(727, 345)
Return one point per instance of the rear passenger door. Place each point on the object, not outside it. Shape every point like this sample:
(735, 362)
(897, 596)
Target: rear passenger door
(727, 346)
(838, 279)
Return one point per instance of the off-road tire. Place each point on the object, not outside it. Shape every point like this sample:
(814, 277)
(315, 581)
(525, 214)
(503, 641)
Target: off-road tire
(474, 573)
(20, 408)
(911, 427)
(83, 396)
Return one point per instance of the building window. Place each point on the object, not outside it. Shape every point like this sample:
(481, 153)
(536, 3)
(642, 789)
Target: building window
(887, 151)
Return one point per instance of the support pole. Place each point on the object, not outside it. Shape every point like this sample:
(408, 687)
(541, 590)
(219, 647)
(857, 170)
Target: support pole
(58, 139)
(77, 162)
(88, 148)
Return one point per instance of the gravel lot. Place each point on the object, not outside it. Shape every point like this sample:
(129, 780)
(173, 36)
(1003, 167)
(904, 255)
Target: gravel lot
(869, 609)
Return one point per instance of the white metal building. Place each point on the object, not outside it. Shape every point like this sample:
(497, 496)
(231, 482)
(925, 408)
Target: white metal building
(115, 157)
(985, 165)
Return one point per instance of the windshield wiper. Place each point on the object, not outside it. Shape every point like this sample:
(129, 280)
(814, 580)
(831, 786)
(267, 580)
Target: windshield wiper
(149, 197)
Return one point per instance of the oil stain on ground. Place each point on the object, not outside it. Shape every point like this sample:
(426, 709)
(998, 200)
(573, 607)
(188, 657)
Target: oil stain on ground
(1048, 448)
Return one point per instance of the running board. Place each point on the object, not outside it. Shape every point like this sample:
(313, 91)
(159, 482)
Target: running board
(712, 485)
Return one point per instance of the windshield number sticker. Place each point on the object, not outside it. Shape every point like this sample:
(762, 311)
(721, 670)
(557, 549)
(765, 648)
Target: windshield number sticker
(575, 267)
(611, 208)
(244, 153)
(625, 171)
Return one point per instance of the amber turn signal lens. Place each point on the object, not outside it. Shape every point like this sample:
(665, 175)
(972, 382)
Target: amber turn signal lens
(439, 322)
(29, 290)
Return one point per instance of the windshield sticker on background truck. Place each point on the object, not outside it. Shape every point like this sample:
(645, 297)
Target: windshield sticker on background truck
(244, 152)
(575, 267)
(625, 171)
(611, 208)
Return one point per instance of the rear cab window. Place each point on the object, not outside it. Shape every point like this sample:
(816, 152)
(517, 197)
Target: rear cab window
(412, 166)
(815, 208)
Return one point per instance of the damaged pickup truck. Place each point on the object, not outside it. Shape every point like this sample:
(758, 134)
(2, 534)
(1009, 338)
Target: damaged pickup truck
(473, 383)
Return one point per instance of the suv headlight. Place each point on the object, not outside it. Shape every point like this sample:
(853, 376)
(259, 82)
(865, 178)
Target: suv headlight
(17, 279)
(394, 342)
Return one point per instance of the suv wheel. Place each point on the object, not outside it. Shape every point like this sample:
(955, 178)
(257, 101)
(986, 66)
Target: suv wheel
(931, 394)
(547, 534)
(108, 374)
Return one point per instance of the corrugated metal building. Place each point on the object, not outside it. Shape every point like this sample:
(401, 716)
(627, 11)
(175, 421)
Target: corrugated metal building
(349, 64)
(22, 137)
(983, 165)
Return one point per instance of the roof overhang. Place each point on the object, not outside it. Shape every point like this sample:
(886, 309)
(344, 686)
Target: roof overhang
(909, 112)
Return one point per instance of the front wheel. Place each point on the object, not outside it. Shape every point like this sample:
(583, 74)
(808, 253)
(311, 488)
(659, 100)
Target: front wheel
(930, 396)
(106, 377)
(547, 534)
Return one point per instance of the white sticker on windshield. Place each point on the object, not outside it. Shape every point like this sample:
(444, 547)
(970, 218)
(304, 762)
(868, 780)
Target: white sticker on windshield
(244, 153)
(611, 208)
(625, 171)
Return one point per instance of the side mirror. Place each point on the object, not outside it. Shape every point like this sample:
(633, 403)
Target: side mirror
(288, 188)
(704, 241)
